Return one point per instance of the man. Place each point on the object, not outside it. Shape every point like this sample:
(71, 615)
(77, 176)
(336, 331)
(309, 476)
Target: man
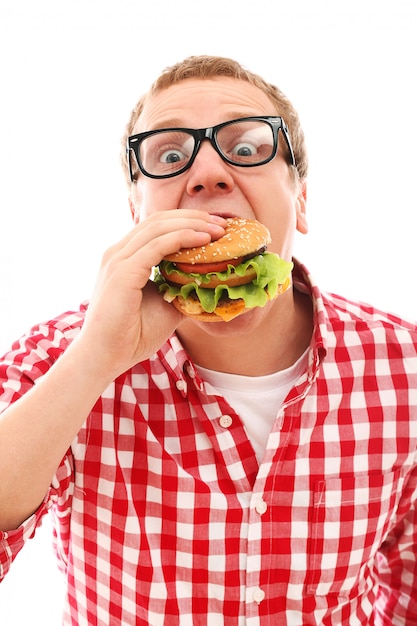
(259, 471)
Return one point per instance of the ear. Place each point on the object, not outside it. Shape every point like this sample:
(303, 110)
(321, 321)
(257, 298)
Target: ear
(301, 207)
(134, 213)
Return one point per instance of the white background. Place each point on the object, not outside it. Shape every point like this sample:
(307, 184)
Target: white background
(70, 74)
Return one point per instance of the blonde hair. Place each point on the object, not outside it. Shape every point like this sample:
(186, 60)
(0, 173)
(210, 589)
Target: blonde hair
(206, 67)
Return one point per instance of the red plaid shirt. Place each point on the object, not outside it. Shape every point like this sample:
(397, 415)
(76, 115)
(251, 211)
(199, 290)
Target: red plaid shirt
(164, 517)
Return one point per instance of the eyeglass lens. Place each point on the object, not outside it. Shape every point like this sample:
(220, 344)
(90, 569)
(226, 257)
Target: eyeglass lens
(248, 142)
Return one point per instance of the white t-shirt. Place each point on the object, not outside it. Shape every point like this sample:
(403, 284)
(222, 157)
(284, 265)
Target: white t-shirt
(256, 399)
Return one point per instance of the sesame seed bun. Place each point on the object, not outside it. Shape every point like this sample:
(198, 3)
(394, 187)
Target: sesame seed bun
(242, 237)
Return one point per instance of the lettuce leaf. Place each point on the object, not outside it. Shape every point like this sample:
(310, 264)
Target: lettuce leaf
(271, 271)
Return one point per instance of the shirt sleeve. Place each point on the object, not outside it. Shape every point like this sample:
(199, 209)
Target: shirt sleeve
(11, 542)
(397, 564)
(59, 501)
(28, 360)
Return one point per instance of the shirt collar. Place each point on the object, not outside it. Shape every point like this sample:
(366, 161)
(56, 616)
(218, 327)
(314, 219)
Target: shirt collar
(178, 364)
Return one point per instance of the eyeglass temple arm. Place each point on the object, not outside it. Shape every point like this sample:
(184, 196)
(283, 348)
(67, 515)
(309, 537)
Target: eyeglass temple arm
(285, 132)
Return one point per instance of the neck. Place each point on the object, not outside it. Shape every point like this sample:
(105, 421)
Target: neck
(257, 343)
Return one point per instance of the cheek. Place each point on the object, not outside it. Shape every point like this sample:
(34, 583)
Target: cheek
(151, 196)
(277, 212)
(280, 216)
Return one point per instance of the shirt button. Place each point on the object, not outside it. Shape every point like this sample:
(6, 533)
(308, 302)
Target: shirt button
(225, 421)
(261, 507)
(181, 385)
(190, 370)
(258, 595)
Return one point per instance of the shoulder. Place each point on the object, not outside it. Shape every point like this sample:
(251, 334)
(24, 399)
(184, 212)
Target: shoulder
(363, 323)
(56, 332)
(36, 350)
(341, 320)
(339, 307)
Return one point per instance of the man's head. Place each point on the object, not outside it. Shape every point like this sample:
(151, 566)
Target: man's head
(210, 136)
(209, 67)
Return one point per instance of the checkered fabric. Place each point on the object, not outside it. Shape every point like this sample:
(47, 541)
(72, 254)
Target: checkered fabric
(163, 516)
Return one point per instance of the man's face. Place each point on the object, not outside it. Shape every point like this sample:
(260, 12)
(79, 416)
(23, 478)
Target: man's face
(267, 193)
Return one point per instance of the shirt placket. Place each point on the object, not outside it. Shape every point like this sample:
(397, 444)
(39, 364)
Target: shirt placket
(225, 431)
(228, 437)
(260, 526)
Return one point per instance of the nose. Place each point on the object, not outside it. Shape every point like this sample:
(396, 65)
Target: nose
(209, 173)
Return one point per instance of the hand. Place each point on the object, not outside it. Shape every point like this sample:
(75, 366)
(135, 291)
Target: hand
(127, 319)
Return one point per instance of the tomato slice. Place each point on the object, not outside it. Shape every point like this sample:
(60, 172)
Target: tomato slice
(206, 268)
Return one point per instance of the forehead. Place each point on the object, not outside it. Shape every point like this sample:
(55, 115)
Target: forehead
(203, 102)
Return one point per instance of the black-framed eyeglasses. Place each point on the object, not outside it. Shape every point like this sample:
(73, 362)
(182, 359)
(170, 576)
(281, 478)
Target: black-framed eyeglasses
(245, 142)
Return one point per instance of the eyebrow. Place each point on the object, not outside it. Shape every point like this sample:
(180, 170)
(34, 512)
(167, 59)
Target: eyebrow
(171, 123)
(177, 123)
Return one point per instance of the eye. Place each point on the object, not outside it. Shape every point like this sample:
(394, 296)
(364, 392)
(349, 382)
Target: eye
(244, 149)
(172, 156)
(166, 151)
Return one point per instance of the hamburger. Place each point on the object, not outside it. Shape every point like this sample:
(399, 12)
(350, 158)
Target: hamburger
(227, 277)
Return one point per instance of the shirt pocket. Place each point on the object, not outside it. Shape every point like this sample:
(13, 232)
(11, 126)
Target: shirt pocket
(350, 518)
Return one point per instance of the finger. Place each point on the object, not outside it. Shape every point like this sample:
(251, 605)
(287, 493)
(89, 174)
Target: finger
(165, 221)
(155, 238)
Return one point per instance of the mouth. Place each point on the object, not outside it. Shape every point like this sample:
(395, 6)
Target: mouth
(217, 213)
(224, 214)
